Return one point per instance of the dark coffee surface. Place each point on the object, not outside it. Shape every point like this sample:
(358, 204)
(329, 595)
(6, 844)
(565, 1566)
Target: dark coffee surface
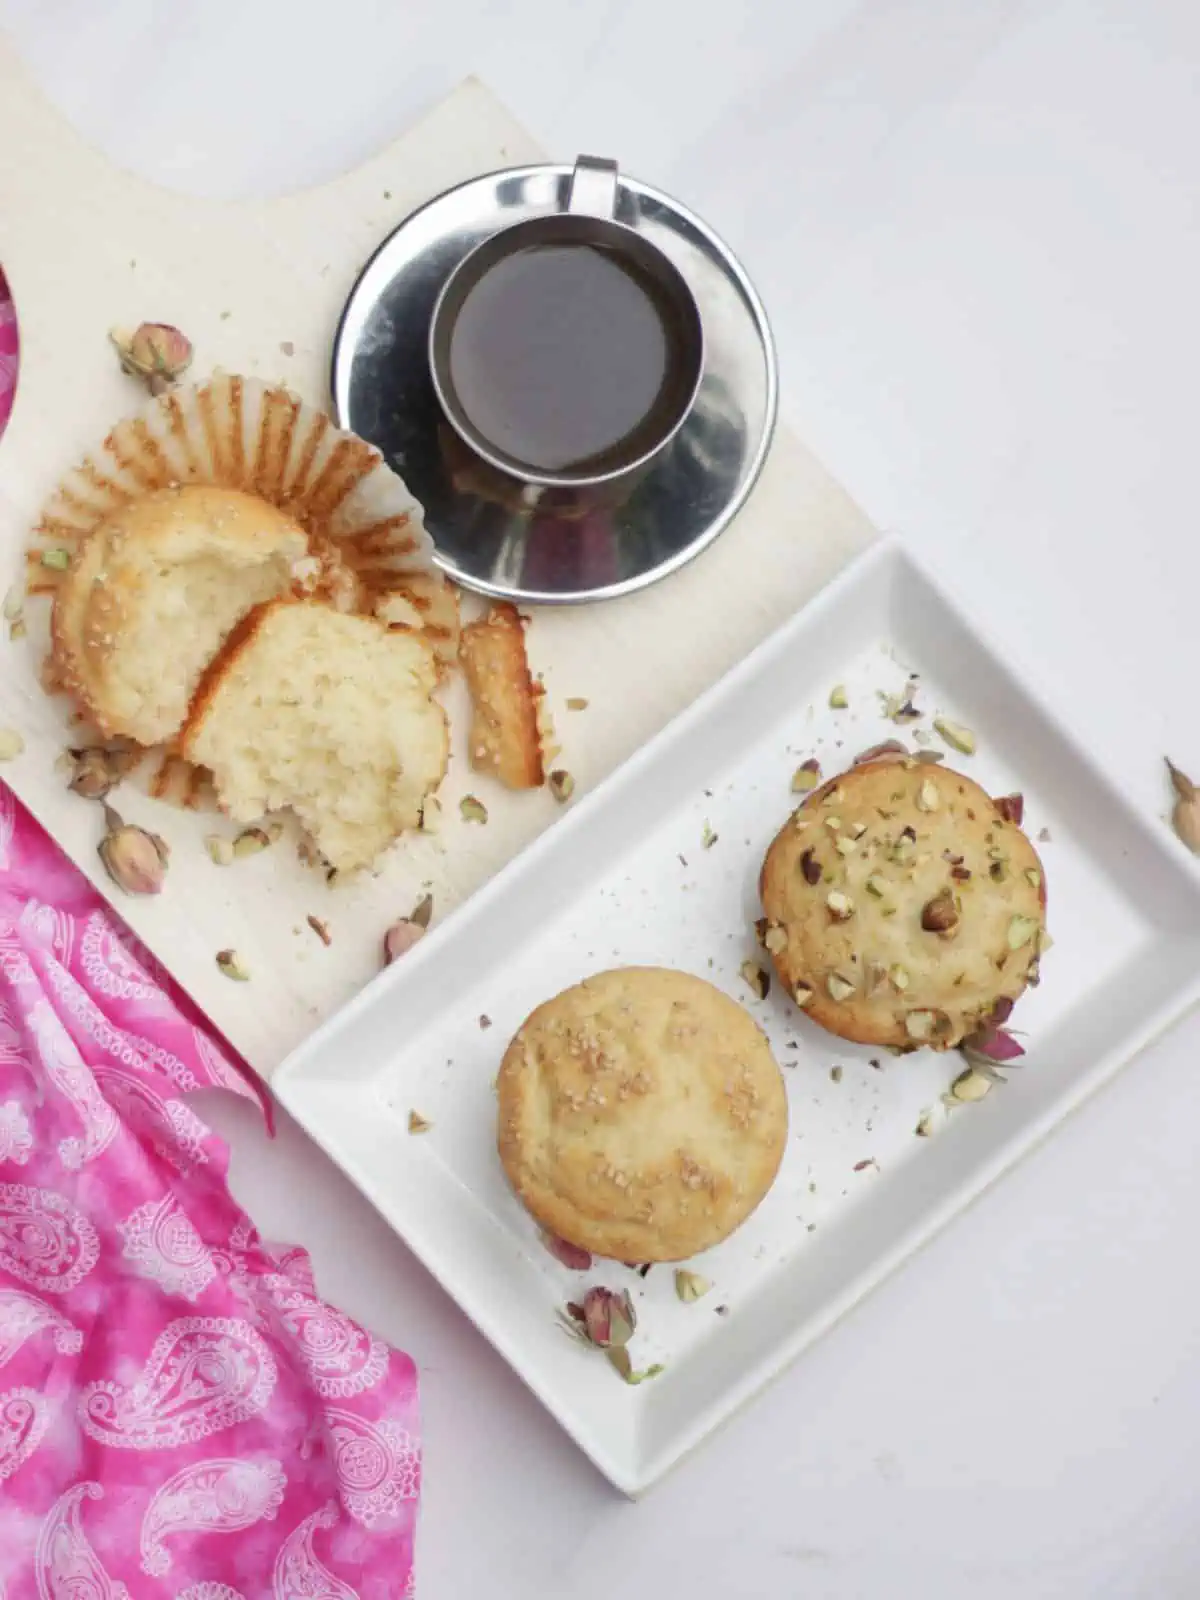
(559, 353)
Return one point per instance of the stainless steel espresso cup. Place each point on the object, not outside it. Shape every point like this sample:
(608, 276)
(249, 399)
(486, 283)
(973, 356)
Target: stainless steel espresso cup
(536, 369)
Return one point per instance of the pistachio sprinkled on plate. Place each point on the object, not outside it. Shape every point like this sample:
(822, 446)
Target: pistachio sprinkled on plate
(232, 965)
(690, 1286)
(806, 776)
(957, 736)
(562, 785)
(756, 978)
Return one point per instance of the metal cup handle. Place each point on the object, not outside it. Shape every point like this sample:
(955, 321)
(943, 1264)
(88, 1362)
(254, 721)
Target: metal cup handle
(593, 191)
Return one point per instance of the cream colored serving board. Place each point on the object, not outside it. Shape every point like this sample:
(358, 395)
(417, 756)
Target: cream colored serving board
(84, 247)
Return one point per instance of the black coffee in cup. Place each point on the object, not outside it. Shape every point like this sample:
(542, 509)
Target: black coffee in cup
(562, 353)
(566, 350)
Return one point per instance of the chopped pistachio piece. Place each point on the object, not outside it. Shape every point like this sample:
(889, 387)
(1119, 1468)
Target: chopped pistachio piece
(940, 915)
(690, 1286)
(220, 850)
(775, 940)
(924, 1128)
(928, 797)
(840, 988)
(841, 906)
(845, 846)
(875, 886)
(251, 842)
(956, 735)
(56, 560)
(835, 1073)
(1033, 877)
(471, 809)
(708, 838)
(619, 1359)
(899, 977)
(562, 785)
(417, 1123)
(806, 776)
(422, 912)
(576, 702)
(232, 965)
(920, 1024)
(1020, 931)
(11, 744)
(14, 602)
(756, 978)
(970, 1086)
(802, 994)
(838, 699)
(876, 976)
(431, 814)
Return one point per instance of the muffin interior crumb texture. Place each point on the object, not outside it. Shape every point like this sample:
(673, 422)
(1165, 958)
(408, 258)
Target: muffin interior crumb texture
(642, 1115)
(328, 714)
(154, 592)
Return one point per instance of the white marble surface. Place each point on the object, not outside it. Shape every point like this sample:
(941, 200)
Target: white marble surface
(977, 224)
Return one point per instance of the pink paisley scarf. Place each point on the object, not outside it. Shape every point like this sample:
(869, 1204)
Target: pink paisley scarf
(181, 1415)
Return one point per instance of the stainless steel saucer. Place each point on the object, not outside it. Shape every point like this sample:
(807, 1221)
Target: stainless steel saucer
(486, 538)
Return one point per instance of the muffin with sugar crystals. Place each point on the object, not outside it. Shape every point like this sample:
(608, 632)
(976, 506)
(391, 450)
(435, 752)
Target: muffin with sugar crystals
(642, 1115)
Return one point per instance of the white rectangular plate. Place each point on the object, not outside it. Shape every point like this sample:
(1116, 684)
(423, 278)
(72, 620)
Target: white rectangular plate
(626, 879)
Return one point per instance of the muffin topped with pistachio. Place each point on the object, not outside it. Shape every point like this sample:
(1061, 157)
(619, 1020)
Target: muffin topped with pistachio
(904, 905)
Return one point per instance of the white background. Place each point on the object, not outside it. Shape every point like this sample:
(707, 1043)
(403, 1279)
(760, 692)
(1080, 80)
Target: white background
(977, 226)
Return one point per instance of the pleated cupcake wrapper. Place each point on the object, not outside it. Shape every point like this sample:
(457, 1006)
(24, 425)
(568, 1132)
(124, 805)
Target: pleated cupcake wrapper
(364, 527)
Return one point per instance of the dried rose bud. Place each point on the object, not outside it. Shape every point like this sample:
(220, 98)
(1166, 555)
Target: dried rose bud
(570, 1255)
(134, 859)
(155, 352)
(606, 1317)
(889, 750)
(400, 938)
(991, 1044)
(1185, 818)
(97, 771)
